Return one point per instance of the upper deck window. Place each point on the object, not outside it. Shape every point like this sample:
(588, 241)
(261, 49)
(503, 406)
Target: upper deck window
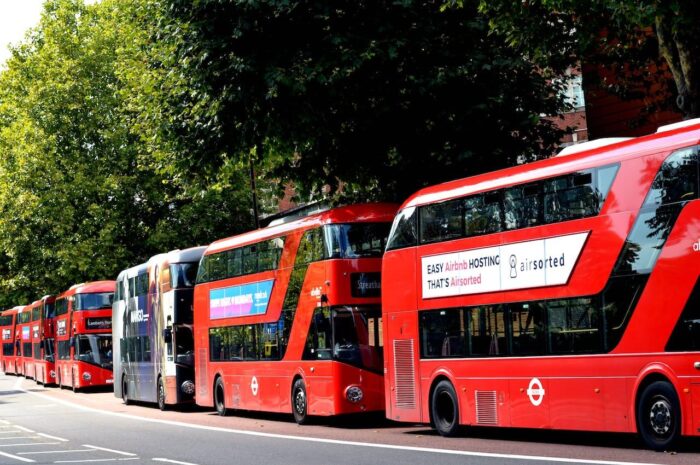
(183, 275)
(253, 258)
(61, 306)
(93, 301)
(571, 196)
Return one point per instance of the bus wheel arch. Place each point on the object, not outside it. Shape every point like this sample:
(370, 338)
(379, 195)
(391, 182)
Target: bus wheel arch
(299, 400)
(219, 395)
(444, 406)
(657, 412)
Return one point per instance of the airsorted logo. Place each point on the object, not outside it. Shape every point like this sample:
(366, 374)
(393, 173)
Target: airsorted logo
(522, 265)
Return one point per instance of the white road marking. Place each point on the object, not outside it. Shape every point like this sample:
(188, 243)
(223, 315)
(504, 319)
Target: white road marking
(26, 430)
(172, 461)
(110, 450)
(10, 456)
(52, 437)
(12, 438)
(4, 422)
(55, 451)
(29, 444)
(336, 441)
(11, 432)
(96, 460)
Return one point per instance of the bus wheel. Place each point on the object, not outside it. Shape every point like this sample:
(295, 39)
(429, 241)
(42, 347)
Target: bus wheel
(659, 415)
(125, 394)
(161, 395)
(299, 402)
(444, 408)
(219, 401)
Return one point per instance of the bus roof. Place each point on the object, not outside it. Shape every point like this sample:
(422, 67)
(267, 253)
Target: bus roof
(87, 288)
(359, 213)
(193, 254)
(666, 139)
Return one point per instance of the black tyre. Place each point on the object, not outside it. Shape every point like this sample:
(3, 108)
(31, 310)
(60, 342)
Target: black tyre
(219, 398)
(299, 402)
(161, 395)
(125, 394)
(659, 416)
(445, 409)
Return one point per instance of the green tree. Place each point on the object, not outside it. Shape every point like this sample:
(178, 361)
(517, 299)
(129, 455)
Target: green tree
(382, 96)
(630, 40)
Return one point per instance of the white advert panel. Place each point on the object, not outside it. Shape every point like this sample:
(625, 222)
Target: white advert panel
(544, 262)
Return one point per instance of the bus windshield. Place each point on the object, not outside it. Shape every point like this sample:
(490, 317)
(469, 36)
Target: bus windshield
(93, 301)
(356, 338)
(183, 275)
(95, 349)
(357, 240)
(184, 345)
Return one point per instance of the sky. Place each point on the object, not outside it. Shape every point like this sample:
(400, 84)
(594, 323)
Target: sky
(16, 16)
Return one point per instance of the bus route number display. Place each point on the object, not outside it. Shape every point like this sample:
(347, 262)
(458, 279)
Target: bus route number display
(243, 300)
(522, 265)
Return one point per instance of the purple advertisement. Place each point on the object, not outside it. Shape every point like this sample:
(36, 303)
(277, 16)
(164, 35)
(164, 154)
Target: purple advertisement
(242, 300)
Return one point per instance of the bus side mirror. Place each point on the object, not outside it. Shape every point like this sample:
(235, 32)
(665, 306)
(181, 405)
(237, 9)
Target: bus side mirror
(168, 335)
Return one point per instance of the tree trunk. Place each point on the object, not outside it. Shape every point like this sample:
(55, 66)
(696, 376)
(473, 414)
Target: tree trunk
(678, 51)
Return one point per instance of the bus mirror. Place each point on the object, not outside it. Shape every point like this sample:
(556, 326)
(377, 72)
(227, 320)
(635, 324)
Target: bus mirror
(168, 335)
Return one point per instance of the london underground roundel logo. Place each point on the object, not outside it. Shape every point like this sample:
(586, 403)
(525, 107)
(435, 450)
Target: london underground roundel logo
(535, 392)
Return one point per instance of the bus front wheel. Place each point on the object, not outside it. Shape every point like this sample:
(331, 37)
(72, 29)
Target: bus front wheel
(659, 415)
(299, 402)
(219, 401)
(445, 409)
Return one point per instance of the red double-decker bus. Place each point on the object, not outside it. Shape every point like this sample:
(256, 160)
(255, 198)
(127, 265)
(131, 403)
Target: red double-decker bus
(43, 340)
(287, 318)
(23, 342)
(558, 294)
(8, 360)
(84, 335)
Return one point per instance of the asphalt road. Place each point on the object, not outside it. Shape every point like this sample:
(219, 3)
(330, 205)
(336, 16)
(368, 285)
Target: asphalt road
(39, 425)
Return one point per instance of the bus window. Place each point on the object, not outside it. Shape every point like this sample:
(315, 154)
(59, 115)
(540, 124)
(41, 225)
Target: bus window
(184, 346)
(403, 230)
(357, 240)
(182, 275)
(351, 343)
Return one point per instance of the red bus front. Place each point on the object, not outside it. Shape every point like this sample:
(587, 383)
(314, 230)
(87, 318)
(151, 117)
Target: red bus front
(7, 338)
(23, 343)
(43, 341)
(84, 336)
(292, 322)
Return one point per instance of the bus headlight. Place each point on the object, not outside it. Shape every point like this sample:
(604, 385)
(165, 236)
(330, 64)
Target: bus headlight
(87, 376)
(354, 394)
(187, 387)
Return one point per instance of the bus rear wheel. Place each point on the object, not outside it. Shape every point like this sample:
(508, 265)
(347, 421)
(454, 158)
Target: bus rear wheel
(125, 394)
(445, 409)
(659, 416)
(299, 402)
(219, 401)
(161, 395)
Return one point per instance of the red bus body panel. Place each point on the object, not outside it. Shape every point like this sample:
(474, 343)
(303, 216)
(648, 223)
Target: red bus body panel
(8, 358)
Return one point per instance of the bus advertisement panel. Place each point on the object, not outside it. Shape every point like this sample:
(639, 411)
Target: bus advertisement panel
(84, 335)
(152, 320)
(538, 296)
(43, 340)
(287, 318)
(8, 320)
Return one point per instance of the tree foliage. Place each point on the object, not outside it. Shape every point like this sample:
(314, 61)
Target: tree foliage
(381, 96)
(629, 40)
